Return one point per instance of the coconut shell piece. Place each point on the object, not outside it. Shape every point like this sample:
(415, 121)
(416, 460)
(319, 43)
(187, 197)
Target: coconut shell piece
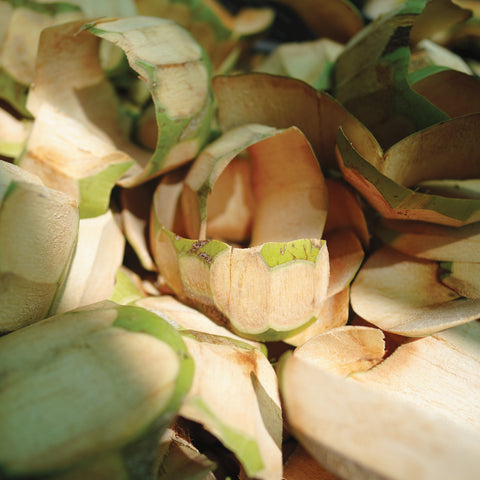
(404, 295)
(245, 286)
(362, 416)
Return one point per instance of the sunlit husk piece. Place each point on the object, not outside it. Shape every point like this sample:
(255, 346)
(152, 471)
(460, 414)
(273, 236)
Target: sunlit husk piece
(254, 98)
(218, 31)
(38, 234)
(338, 20)
(403, 294)
(98, 256)
(383, 179)
(311, 61)
(365, 417)
(246, 285)
(235, 397)
(462, 277)
(430, 241)
(114, 380)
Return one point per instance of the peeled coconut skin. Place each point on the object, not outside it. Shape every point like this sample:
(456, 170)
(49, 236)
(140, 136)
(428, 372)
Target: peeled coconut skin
(38, 234)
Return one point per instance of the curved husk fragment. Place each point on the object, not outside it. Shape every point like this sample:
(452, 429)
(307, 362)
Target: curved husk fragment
(371, 78)
(38, 234)
(410, 162)
(283, 102)
(98, 256)
(338, 20)
(235, 397)
(177, 73)
(243, 286)
(355, 419)
(403, 294)
(430, 241)
(219, 32)
(112, 377)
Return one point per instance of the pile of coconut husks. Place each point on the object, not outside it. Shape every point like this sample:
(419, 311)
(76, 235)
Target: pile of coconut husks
(240, 240)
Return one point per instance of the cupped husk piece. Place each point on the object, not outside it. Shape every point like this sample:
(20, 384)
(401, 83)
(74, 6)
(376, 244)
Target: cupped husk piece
(388, 180)
(403, 294)
(235, 397)
(362, 416)
(112, 380)
(38, 235)
(245, 285)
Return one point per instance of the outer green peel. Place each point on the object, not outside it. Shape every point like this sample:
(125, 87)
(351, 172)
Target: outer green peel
(277, 253)
(95, 190)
